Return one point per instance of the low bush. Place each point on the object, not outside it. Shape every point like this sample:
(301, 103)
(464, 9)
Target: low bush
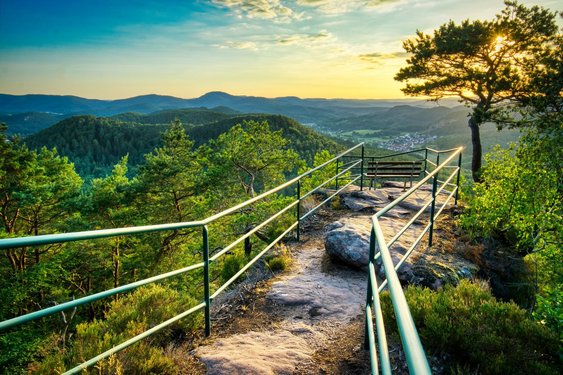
(479, 332)
(127, 317)
(278, 261)
(231, 266)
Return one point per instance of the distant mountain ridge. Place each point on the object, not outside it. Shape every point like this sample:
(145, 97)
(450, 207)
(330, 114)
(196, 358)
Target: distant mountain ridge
(68, 104)
(303, 110)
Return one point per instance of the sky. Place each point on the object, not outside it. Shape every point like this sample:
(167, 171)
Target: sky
(109, 49)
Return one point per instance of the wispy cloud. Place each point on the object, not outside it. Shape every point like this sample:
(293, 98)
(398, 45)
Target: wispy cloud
(339, 6)
(306, 39)
(319, 39)
(239, 45)
(379, 58)
(261, 9)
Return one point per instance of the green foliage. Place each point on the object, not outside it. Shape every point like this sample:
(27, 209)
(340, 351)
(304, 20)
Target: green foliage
(280, 260)
(232, 264)
(127, 317)
(476, 330)
(318, 177)
(174, 183)
(95, 144)
(258, 157)
(483, 63)
(519, 201)
(190, 116)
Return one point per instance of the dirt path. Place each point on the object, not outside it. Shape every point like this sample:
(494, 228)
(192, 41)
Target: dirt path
(307, 320)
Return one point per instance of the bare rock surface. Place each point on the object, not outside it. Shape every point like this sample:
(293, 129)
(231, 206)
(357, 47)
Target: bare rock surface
(347, 241)
(270, 352)
(366, 200)
(316, 300)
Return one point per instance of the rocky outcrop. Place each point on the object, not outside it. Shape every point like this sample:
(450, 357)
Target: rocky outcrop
(347, 241)
(366, 200)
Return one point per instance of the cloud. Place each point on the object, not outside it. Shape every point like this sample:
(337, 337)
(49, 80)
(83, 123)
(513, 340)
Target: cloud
(240, 45)
(380, 57)
(261, 9)
(343, 6)
(321, 39)
(306, 39)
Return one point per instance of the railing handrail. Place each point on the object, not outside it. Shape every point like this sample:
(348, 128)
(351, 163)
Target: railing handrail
(46, 239)
(411, 190)
(412, 346)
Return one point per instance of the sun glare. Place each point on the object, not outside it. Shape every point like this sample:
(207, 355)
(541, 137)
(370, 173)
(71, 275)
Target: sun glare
(499, 41)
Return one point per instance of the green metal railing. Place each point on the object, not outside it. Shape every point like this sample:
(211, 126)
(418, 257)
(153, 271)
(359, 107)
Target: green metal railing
(379, 250)
(208, 296)
(348, 167)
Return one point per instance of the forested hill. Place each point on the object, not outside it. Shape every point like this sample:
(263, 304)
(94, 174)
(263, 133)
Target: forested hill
(95, 144)
(188, 116)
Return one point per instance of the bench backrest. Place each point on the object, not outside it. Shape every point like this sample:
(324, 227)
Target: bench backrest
(395, 168)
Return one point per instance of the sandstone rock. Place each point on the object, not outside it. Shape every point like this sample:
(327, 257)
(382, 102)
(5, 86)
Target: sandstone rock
(366, 200)
(347, 241)
(435, 269)
(256, 353)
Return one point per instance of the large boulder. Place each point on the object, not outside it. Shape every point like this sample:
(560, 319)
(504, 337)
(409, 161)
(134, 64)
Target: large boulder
(347, 241)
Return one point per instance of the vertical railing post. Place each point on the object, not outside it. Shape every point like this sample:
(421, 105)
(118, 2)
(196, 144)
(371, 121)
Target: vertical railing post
(369, 292)
(458, 175)
(433, 205)
(425, 161)
(336, 179)
(298, 207)
(362, 170)
(206, 288)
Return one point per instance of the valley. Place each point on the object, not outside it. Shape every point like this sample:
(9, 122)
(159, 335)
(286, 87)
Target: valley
(96, 134)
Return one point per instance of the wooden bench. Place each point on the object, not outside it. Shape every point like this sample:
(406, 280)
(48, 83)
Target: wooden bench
(394, 169)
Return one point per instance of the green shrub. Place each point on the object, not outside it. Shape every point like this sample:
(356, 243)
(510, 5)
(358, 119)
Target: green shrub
(231, 266)
(276, 263)
(478, 331)
(280, 260)
(126, 318)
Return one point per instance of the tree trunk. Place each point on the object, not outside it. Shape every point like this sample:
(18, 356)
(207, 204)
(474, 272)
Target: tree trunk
(477, 149)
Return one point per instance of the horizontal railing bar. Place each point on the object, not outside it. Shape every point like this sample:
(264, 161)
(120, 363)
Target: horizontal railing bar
(131, 341)
(445, 202)
(94, 297)
(350, 162)
(409, 223)
(442, 151)
(371, 340)
(397, 154)
(329, 198)
(412, 346)
(442, 187)
(395, 163)
(330, 180)
(47, 239)
(247, 266)
(407, 254)
(254, 230)
(416, 186)
(381, 335)
(88, 235)
(276, 189)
